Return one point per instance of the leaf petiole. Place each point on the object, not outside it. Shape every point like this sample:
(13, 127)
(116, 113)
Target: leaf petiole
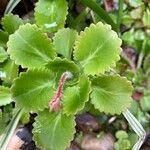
(54, 104)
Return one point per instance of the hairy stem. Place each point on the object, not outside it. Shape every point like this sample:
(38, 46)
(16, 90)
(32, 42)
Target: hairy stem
(54, 104)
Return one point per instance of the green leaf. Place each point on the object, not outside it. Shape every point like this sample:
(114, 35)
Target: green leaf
(74, 98)
(127, 20)
(11, 23)
(25, 118)
(3, 38)
(121, 135)
(3, 54)
(146, 64)
(97, 48)
(146, 45)
(135, 39)
(33, 89)
(51, 14)
(136, 13)
(29, 47)
(135, 3)
(3, 124)
(111, 94)
(145, 101)
(146, 18)
(64, 40)
(8, 71)
(5, 96)
(53, 131)
(60, 66)
(128, 37)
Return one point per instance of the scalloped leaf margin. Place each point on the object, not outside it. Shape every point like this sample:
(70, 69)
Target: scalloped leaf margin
(74, 98)
(97, 48)
(5, 96)
(53, 131)
(11, 23)
(51, 14)
(111, 94)
(33, 89)
(30, 47)
(64, 40)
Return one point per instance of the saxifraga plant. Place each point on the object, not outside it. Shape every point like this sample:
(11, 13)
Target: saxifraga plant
(64, 73)
(57, 88)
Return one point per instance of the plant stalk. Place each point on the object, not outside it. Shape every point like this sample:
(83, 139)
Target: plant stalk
(101, 12)
(120, 14)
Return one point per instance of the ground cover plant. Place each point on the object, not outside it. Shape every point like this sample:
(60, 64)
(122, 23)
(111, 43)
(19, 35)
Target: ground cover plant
(74, 69)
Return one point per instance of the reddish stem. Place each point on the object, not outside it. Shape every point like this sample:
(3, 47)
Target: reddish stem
(54, 104)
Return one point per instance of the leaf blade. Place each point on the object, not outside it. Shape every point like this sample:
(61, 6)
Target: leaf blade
(30, 47)
(5, 96)
(47, 14)
(3, 54)
(98, 55)
(74, 98)
(52, 127)
(36, 91)
(64, 40)
(11, 23)
(111, 94)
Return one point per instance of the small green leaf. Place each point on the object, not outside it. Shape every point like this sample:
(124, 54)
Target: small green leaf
(3, 123)
(5, 96)
(53, 131)
(11, 23)
(136, 13)
(121, 134)
(25, 118)
(145, 101)
(3, 54)
(33, 89)
(146, 45)
(135, 3)
(111, 94)
(3, 38)
(59, 66)
(29, 47)
(51, 14)
(146, 18)
(8, 71)
(74, 98)
(128, 37)
(97, 48)
(64, 40)
(146, 64)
